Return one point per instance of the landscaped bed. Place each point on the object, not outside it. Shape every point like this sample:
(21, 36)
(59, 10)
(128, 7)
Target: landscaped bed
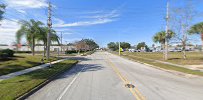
(13, 88)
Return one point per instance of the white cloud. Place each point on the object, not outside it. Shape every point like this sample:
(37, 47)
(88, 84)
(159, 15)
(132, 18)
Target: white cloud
(21, 11)
(97, 19)
(112, 14)
(7, 31)
(25, 4)
(84, 23)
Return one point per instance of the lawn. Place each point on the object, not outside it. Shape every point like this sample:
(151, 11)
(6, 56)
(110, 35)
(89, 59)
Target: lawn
(193, 58)
(175, 57)
(20, 62)
(166, 66)
(13, 88)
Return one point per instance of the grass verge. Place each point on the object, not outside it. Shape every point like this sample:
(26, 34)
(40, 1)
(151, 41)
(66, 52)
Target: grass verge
(13, 88)
(20, 62)
(164, 66)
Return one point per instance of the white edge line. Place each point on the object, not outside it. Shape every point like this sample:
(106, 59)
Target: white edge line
(70, 84)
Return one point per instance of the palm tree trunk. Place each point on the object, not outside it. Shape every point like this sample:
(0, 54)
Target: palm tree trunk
(33, 46)
(44, 50)
(162, 47)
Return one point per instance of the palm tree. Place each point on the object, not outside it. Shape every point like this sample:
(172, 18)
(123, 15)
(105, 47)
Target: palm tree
(197, 29)
(2, 11)
(31, 30)
(43, 37)
(161, 36)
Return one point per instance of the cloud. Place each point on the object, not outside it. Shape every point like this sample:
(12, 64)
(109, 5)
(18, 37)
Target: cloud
(112, 14)
(8, 29)
(21, 11)
(26, 4)
(84, 23)
(92, 20)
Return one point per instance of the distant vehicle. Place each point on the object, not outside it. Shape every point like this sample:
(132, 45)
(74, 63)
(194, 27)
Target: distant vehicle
(175, 50)
(131, 50)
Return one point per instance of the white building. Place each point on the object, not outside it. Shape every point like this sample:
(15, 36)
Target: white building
(40, 48)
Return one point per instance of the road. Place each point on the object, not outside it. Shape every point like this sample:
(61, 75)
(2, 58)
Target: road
(104, 76)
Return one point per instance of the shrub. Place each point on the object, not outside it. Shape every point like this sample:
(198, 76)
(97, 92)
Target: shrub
(6, 53)
(70, 52)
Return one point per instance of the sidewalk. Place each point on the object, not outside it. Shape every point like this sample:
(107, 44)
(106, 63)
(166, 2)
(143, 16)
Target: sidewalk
(11, 75)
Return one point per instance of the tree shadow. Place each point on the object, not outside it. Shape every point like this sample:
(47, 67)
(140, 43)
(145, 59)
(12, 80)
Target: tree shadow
(80, 68)
(10, 58)
(174, 58)
(79, 58)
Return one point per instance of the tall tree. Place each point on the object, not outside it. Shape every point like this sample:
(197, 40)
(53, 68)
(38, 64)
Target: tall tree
(113, 46)
(141, 45)
(197, 29)
(91, 43)
(160, 37)
(181, 18)
(43, 37)
(125, 45)
(31, 30)
(81, 46)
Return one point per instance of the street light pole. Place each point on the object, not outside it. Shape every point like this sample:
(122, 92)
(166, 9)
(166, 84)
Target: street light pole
(119, 48)
(61, 42)
(167, 30)
(49, 23)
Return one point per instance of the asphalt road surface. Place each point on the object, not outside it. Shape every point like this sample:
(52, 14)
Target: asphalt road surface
(104, 76)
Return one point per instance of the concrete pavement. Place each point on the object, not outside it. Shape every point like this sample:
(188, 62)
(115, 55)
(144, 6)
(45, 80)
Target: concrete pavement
(103, 76)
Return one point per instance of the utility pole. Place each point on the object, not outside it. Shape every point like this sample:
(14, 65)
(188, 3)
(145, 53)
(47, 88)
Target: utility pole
(119, 48)
(167, 31)
(61, 42)
(49, 24)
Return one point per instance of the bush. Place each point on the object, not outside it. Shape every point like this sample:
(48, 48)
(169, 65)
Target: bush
(6, 53)
(70, 52)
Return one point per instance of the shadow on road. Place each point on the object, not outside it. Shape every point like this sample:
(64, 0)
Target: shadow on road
(81, 68)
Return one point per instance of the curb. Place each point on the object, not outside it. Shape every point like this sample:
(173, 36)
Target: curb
(35, 89)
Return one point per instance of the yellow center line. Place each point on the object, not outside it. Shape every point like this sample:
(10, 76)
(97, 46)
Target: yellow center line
(136, 93)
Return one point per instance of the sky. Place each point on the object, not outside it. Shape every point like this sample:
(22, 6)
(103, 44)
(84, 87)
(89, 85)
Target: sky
(104, 21)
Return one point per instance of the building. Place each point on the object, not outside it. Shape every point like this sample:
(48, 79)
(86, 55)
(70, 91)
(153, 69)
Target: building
(39, 47)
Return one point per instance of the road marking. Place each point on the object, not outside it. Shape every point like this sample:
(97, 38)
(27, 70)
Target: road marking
(70, 84)
(136, 93)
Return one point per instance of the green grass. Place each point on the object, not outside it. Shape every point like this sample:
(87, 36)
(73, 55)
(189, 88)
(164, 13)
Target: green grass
(193, 58)
(166, 66)
(13, 88)
(20, 62)
(88, 53)
(141, 57)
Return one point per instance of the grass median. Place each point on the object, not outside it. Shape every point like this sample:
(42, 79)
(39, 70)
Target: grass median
(20, 62)
(13, 88)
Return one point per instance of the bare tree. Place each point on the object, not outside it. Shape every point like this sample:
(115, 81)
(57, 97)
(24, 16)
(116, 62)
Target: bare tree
(81, 46)
(181, 20)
